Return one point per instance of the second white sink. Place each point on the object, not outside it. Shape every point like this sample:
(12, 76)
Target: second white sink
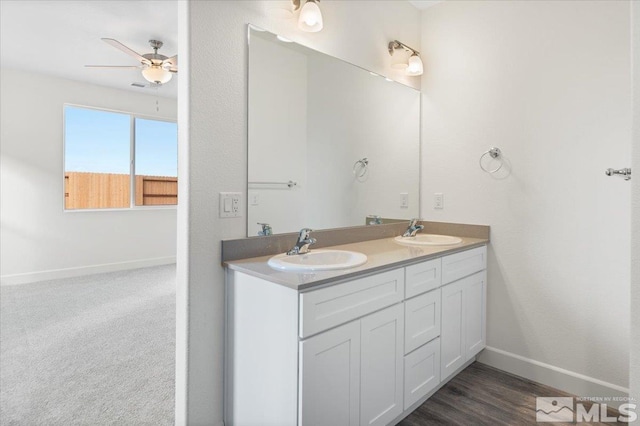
(428, 240)
(318, 260)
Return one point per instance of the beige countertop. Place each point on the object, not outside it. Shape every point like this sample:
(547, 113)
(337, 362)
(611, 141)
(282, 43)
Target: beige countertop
(382, 254)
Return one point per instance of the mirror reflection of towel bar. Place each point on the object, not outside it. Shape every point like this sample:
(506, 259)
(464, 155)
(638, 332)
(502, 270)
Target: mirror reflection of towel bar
(290, 183)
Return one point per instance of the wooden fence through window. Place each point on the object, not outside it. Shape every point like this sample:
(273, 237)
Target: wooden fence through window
(109, 190)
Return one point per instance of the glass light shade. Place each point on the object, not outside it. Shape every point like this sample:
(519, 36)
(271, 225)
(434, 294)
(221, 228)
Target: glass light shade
(155, 74)
(399, 60)
(415, 65)
(310, 19)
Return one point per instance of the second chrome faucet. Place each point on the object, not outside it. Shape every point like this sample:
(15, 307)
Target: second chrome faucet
(413, 228)
(304, 241)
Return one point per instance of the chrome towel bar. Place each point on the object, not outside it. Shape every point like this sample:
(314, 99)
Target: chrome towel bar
(290, 183)
(626, 173)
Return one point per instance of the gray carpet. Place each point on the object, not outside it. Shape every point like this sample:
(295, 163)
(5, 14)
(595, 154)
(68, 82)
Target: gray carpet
(94, 350)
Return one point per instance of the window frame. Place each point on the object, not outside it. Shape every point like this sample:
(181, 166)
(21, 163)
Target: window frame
(132, 157)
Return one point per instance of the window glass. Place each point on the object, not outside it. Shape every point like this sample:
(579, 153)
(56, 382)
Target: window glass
(97, 158)
(97, 163)
(156, 162)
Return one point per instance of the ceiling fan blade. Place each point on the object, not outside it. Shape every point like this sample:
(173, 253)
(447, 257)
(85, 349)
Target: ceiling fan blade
(172, 60)
(173, 70)
(114, 66)
(125, 49)
(146, 85)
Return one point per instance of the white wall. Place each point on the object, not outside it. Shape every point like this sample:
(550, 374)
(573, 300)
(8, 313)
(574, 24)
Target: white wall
(548, 83)
(40, 240)
(635, 212)
(212, 125)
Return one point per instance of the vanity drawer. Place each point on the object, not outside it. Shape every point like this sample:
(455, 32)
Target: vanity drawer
(421, 372)
(328, 307)
(463, 264)
(421, 320)
(422, 277)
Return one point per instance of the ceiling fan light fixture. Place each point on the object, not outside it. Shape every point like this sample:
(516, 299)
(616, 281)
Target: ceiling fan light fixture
(156, 74)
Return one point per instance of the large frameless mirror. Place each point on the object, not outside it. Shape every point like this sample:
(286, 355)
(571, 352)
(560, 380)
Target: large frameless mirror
(329, 143)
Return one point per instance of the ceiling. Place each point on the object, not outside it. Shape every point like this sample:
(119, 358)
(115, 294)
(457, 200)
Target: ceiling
(59, 37)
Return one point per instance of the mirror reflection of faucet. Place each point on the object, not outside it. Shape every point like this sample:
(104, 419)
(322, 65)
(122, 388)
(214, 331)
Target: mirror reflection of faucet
(304, 241)
(375, 219)
(266, 230)
(413, 229)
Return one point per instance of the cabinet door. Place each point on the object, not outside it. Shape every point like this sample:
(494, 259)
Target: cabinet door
(330, 377)
(452, 335)
(421, 372)
(421, 320)
(382, 353)
(475, 311)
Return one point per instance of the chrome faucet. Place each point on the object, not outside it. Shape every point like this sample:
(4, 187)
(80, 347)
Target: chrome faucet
(266, 230)
(413, 228)
(304, 241)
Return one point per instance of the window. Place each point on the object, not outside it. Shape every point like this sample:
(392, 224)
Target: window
(104, 149)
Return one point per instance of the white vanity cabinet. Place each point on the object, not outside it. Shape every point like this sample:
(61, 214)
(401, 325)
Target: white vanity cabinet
(463, 309)
(361, 352)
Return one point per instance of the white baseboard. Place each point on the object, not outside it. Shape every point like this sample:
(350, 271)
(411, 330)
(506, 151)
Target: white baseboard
(53, 274)
(559, 378)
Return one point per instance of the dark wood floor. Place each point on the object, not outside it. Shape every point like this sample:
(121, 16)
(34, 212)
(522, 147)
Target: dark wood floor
(482, 395)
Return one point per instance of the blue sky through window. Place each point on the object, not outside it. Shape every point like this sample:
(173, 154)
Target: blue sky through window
(156, 148)
(99, 141)
(96, 141)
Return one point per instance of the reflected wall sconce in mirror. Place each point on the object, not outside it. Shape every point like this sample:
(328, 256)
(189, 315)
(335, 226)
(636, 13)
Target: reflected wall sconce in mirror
(411, 67)
(310, 19)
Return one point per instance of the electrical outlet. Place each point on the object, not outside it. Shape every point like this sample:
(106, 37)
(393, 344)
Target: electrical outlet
(230, 204)
(404, 200)
(255, 199)
(438, 201)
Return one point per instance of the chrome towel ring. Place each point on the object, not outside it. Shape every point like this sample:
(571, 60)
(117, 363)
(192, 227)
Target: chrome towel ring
(494, 153)
(360, 167)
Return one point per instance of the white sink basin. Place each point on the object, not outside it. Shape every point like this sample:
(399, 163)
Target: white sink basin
(318, 260)
(428, 240)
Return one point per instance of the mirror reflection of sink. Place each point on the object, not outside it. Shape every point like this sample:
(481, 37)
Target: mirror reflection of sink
(318, 260)
(428, 240)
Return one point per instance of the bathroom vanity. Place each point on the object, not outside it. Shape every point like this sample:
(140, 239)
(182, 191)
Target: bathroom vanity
(362, 346)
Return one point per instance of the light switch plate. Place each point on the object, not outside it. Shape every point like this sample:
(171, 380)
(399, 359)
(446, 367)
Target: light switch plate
(404, 200)
(438, 201)
(230, 204)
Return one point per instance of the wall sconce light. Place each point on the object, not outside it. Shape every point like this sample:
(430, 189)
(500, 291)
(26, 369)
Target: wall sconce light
(414, 66)
(310, 19)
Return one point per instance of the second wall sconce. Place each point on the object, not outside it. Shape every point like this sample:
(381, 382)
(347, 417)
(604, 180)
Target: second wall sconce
(310, 19)
(414, 65)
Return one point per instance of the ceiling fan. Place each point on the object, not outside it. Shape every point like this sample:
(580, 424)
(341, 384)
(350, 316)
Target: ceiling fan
(156, 68)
